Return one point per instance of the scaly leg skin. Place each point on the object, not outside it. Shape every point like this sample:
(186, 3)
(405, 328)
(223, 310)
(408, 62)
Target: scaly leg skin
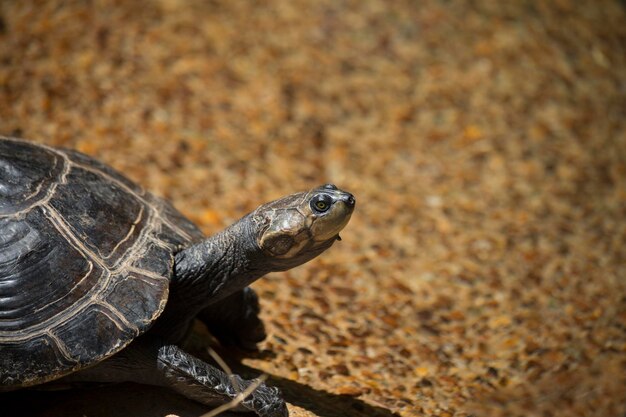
(207, 384)
(235, 321)
(148, 360)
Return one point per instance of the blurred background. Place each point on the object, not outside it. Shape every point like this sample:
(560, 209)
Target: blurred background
(483, 272)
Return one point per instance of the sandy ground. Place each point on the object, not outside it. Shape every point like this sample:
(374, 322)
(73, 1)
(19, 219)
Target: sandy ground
(483, 272)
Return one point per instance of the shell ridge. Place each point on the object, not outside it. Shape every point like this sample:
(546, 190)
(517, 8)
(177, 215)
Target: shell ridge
(78, 283)
(42, 327)
(130, 233)
(66, 231)
(61, 347)
(115, 316)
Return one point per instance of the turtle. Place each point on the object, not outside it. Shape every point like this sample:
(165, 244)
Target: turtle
(101, 281)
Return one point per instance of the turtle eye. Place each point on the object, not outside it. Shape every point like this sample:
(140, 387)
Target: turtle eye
(321, 206)
(321, 203)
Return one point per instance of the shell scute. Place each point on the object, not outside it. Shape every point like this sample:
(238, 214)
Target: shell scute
(89, 338)
(122, 296)
(108, 221)
(41, 273)
(44, 356)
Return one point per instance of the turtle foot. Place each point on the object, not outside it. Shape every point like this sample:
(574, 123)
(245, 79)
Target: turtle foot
(207, 384)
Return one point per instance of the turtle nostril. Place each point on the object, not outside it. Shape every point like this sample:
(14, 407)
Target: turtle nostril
(350, 200)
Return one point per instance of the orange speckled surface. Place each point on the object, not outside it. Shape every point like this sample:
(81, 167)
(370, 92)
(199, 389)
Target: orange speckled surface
(483, 271)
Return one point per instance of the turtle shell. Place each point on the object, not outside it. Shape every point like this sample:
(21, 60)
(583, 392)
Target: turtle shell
(85, 261)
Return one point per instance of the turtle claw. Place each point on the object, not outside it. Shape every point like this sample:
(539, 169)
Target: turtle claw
(266, 402)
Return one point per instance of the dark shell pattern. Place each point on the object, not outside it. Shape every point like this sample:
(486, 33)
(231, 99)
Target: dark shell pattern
(85, 261)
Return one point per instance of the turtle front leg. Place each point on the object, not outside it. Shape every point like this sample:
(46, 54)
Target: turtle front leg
(207, 384)
(149, 360)
(235, 320)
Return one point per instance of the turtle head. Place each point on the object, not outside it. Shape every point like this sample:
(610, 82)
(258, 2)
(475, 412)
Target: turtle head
(298, 227)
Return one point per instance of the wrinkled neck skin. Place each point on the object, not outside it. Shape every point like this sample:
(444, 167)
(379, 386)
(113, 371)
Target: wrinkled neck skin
(218, 266)
(213, 269)
(210, 271)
